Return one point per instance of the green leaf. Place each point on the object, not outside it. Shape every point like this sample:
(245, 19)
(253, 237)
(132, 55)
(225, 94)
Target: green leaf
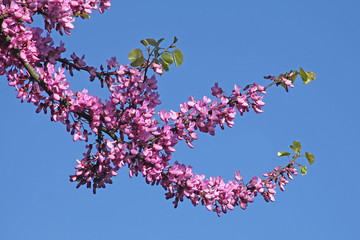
(156, 52)
(164, 65)
(159, 41)
(302, 73)
(175, 40)
(310, 158)
(144, 42)
(151, 41)
(138, 62)
(305, 77)
(303, 170)
(311, 75)
(281, 154)
(85, 15)
(296, 146)
(178, 57)
(135, 55)
(167, 58)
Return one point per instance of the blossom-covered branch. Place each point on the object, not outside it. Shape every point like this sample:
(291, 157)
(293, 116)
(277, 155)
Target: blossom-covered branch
(126, 129)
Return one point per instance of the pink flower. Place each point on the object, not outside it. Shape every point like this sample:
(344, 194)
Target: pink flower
(157, 68)
(237, 176)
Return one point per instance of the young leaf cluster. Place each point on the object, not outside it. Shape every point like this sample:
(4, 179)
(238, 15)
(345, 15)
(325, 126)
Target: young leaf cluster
(296, 146)
(156, 54)
(82, 14)
(306, 77)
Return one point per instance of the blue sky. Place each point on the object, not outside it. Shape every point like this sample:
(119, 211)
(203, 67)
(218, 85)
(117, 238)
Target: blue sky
(223, 41)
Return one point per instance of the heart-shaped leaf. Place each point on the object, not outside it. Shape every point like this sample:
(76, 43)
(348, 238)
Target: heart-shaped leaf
(135, 55)
(310, 158)
(167, 58)
(138, 62)
(178, 57)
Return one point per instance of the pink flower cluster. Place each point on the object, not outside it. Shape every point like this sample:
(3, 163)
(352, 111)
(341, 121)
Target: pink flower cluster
(126, 129)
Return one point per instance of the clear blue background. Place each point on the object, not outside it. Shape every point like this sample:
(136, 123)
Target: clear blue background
(223, 41)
